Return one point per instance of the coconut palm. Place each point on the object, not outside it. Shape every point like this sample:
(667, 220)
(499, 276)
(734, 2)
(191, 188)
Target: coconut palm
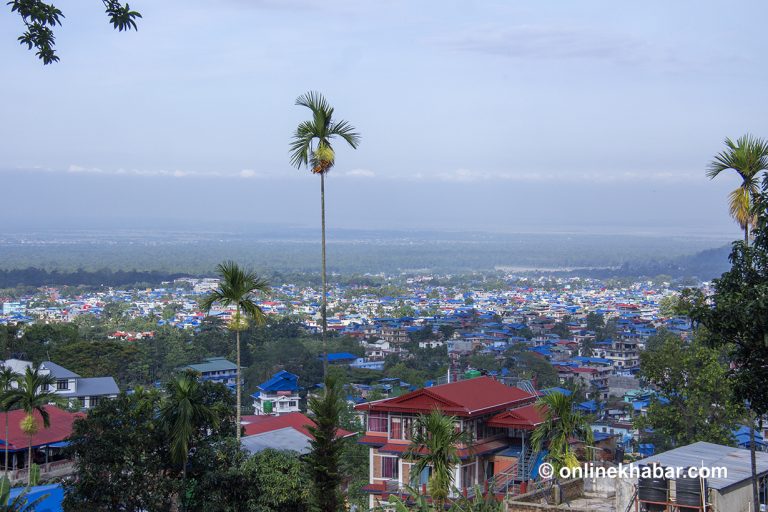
(183, 413)
(561, 424)
(238, 288)
(33, 395)
(748, 156)
(311, 147)
(7, 378)
(434, 447)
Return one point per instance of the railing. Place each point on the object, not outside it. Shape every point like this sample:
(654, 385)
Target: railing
(50, 470)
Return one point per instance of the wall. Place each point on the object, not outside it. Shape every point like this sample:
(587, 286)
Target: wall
(570, 489)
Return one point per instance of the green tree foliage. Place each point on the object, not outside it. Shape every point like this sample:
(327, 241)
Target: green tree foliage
(435, 442)
(280, 482)
(561, 423)
(311, 147)
(695, 400)
(738, 318)
(239, 288)
(122, 458)
(40, 18)
(748, 157)
(128, 363)
(128, 451)
(323, 462)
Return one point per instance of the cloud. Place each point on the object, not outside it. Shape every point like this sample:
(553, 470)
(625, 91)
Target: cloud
(474, 176)
(547, 42)
(360, 173)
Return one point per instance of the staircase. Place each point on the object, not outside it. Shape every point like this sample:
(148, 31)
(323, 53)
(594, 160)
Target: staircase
(509, 480)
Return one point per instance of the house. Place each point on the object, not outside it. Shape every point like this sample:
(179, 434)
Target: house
(278, 395)
(216, 369)
(82, 392)
(499, 418)
(285, 432)
(47, 443)
(729, 488)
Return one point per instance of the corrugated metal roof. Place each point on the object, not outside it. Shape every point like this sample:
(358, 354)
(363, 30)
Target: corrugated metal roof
(711, 455)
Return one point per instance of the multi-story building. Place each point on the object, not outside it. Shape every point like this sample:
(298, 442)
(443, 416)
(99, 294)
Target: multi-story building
(623, 353)
(499, 418)
(278, 395)
(216, 369)
(81, 392)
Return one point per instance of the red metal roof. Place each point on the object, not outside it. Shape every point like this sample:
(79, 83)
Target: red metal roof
(525, 418)
(60, 429)
(259, 424)
(482, 395)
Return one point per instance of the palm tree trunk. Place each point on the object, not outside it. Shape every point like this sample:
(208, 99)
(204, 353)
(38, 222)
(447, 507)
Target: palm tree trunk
(6, 442)
(753, 462)
(323, 304)
(29, 463)
(237, 384)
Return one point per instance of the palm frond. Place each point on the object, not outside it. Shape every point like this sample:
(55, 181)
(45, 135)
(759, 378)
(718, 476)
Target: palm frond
(346, 131)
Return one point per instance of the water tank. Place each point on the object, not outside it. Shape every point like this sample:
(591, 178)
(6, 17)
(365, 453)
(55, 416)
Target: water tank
(688, 490)
(652, 489)
(471, 374)
(267, 406)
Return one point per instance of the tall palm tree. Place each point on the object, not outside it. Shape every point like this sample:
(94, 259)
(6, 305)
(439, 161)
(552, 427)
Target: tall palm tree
(748, 156)
(238, 288)
(311, 146)
(7, 378)
(182, 414)
(434, 447)
(561, 423)
(33, 395)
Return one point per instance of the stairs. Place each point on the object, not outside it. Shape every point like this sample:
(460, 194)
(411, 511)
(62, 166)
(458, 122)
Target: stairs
(509, 480)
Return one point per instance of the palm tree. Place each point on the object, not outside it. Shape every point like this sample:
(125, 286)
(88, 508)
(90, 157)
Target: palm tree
(748, 156)
(7, 378)
(183, 413)
(435, 447)
(32, 395)
(561, 423)
(238, 287)
(311, 145)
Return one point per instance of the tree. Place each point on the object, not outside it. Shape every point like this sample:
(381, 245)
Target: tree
(279, 482)
(7, 379)
(238, 288)
(695, 400)
(561, 423)
(311, 145)
(183, 413)
(40, 18)
(748, 156)
(434, 447)
(32, 396)
(323, 460)
(738, 319)
(122, 459)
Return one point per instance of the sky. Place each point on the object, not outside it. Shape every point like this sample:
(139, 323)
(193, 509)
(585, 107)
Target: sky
(516, 116)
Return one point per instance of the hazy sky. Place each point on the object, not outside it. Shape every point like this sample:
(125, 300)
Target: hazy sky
(505, 115)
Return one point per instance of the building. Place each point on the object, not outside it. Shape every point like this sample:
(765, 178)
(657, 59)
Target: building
(216, 369)
(47, 443)
(730, 491)
(278, 395)
(285, 432)
(82, 392)
(499, 418)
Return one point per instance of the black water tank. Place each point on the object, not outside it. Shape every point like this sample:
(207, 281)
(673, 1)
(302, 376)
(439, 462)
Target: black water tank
(688, 490)
(652, 489)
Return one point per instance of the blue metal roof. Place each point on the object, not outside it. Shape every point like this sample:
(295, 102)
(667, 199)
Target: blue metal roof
(281, 381)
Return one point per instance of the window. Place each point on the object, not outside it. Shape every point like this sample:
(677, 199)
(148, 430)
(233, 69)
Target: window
(468, 475)
(400, 427)
(95, 401)
(377, 421)
(390, 468)
(292, 403)
(62, 385)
